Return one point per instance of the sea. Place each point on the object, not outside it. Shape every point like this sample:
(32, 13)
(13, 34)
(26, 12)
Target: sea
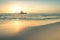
(11, 24)
(11, 16)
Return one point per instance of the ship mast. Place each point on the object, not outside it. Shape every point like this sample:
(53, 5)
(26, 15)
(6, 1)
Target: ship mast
(22, 12)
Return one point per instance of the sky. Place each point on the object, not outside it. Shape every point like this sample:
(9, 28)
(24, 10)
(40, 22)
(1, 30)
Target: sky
(30, 6)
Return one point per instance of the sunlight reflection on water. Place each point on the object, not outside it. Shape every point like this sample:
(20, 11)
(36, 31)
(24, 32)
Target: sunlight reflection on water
(10, 27)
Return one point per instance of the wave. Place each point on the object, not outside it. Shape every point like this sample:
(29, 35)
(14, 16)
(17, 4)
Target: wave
(29, 16)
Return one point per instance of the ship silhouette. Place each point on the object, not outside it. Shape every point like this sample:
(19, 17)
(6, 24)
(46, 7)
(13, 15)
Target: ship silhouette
(22, 12)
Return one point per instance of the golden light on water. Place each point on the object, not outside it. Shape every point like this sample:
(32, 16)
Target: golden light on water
(11, 27)
(15, 26)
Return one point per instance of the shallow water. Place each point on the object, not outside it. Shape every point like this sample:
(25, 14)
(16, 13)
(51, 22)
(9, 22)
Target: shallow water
(10, 24)
(11, 27)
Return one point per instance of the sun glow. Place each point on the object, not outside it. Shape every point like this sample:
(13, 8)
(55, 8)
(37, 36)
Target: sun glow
(16, 9)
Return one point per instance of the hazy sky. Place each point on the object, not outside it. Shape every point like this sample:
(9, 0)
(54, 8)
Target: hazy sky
(30, 6)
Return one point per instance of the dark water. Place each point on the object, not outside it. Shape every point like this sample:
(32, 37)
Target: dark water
(29, 16)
